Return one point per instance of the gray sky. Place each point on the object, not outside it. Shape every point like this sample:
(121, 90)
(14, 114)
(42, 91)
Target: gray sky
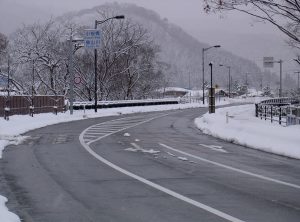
(236, 32)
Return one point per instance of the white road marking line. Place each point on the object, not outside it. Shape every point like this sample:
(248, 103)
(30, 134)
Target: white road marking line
(232, 168)
(101, 132)
(106, 128)
(139, 148)
(171, 154)
(120, 125)
(91, 136)
(131, 126)
(215, 148)
(158, 187)
(182, 158)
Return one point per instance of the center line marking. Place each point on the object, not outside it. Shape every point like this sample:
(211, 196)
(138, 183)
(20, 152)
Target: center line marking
(151, 184)
(231, 168)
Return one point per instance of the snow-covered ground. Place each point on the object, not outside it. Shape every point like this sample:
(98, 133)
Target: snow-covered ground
(10, 131)
(245, 129)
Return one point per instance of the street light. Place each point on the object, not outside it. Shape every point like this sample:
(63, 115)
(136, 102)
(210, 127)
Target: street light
(229, 78)
(211, 94)
(96, 55)
(203, 51)
(298, 72)
(72, 50)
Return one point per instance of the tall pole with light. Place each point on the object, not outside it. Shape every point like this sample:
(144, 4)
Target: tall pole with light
(203, 54)
(72, 50)
(212, 92)
(298, 89)
(229, 78)
(96, 57)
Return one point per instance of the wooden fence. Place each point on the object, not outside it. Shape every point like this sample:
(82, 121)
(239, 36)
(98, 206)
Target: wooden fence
(22, 105)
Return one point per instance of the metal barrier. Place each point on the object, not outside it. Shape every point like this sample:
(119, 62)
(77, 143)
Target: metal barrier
(281, 101)
(279, 110)
(272, 113)
(124, 103)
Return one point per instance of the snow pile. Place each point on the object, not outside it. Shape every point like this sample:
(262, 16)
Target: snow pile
(245, 129)
(5, 215)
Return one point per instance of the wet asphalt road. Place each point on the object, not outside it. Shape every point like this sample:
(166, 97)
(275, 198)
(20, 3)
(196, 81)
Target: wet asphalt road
(53, 176)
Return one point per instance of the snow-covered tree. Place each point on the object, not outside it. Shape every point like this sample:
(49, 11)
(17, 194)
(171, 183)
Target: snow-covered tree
(267, 91)
(40, 51)
(283, 14)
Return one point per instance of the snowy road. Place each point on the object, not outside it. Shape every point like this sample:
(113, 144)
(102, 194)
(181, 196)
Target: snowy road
(146, 167)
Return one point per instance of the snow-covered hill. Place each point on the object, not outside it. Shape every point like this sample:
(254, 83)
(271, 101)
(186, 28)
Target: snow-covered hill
(179, 49)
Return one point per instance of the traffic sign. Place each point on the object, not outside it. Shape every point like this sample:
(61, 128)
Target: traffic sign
(92, 38)
(3, 81)
(77, 80)
(268, 62)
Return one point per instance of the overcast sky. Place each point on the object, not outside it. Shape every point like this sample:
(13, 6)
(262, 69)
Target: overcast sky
(236, 32)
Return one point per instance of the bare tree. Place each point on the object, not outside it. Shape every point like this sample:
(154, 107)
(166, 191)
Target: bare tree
(128, 64)
(41, 49)
(3, 42)
(127, 56)
(283, 14)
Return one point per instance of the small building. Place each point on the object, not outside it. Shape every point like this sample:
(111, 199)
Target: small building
(174, 92)
(221, 92)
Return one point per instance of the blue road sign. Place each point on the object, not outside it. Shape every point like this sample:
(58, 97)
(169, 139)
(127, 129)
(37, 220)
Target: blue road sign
(3, 81)
(92, 38)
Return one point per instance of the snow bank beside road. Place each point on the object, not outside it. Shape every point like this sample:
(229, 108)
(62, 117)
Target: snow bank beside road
(5, 215)
(245, 129)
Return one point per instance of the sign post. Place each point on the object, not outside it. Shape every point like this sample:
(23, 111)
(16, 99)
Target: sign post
(92, 38)
(268, 62)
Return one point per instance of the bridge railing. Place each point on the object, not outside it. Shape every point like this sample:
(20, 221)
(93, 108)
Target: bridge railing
(285, 111)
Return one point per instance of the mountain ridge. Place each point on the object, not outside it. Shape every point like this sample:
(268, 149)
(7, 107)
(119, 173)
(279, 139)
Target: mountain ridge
(178, 48)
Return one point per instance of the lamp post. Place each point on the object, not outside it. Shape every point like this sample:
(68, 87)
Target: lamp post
(211, 106)
(229, 78)
(203, 51)
(7, 105)
(280, 89)
(298, 72)
(32, 60)
(72, 50)
(96, 56)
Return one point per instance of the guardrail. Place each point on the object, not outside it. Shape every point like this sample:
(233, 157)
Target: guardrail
(281, 110)
(281, 101)
(123, 103)
(272, 113)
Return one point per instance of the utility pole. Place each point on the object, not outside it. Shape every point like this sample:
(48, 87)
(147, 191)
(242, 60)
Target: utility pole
(268, 63)
(190, 87)
(298, 72)
(71, 73)
(246, 84)
(96, 73)
(32, 90)
(229, 78)
(212, 92)
(280, 89)
(7, 105)
(96, 58)
(203, 54)
(203, 90)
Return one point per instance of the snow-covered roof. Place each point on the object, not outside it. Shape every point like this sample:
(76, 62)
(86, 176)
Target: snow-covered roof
(175, 89)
